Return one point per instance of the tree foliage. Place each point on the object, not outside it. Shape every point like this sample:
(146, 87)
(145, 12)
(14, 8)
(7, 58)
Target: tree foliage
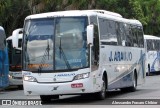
(13, 12)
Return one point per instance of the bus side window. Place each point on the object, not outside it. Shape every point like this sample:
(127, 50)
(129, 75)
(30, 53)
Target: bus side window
(128, 35)
(95, 50)
(96, 45)
(118, 32)
(149, 44)
(122, 34)
(153, 43)
(140, 37)
(112, 33)
(134, 34)
(158, 44)
(108, 31)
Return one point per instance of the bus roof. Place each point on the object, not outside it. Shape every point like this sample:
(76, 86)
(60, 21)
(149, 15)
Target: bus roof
(2, 32)
(19, 36)
(151, 37)
(100, 13)
(72, 13)
(1, 28)
(10, 37)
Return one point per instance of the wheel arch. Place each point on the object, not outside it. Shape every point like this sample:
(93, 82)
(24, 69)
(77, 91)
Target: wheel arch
(135, 75)
(106, 77)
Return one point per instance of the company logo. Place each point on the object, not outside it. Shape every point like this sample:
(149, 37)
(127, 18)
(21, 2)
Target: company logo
(21, 102)
(120, 56)
(6, 102)
(65, 75)
(26, 73)
(54, 79)
(55, 88)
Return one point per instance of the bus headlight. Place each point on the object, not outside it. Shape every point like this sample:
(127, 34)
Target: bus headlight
(81, 76)
(10, 76)
(29, 78)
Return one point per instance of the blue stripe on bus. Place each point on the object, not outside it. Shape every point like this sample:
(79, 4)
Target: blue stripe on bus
(125, 81)
(154, 62)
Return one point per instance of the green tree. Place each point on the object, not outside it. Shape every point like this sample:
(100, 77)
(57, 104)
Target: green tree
(13, 14)
(151, 10)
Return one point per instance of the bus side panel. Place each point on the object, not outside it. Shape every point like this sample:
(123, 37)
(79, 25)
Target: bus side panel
(4, 68)
(120, 63)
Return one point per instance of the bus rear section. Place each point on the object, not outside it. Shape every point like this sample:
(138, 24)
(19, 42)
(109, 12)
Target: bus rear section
(4, 66)
(15, 67)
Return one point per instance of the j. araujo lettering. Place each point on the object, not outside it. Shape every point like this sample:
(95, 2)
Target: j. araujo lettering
(120, 56)
(62, 75)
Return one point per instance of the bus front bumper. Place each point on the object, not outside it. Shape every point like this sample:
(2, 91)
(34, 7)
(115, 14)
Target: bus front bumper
(75, 87)
(15, 78)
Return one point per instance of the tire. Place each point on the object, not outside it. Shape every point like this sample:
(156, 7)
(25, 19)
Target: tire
(148, 73)
(48, 98)
(134, 87)
(102, 94)
(20, 87)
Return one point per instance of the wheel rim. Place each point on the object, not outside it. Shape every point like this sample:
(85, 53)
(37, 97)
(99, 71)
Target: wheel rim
(134, 82)
(103, 89)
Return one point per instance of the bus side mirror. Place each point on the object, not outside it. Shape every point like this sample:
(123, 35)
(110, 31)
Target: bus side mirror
(90, 33)
(15, 35)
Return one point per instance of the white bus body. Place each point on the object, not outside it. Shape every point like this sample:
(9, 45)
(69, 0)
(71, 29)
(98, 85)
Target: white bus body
(108, 63)
(15, 72)
(152, 48)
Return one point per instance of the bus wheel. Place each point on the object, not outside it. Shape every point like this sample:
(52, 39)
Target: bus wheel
(102, 94)
(134, 87)
(47, 98)
(148, 73)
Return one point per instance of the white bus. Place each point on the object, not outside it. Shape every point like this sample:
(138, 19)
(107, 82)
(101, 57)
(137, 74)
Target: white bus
(15, 67)
(81, 52)
(152, 46)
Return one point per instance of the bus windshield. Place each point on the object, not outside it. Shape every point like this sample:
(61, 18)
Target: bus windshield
(54, 44)
(14, 56)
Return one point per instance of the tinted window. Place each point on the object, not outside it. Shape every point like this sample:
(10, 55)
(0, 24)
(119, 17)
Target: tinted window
(140, 36)
(20, 43)
(108, 31)
(93, 20)
(119, 33)
(134, 34)
(149, 44)
(128, 32)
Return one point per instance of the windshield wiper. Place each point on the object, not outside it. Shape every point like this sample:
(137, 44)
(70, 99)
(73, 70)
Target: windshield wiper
(48, 48)
(44, 57)
(64, 56)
